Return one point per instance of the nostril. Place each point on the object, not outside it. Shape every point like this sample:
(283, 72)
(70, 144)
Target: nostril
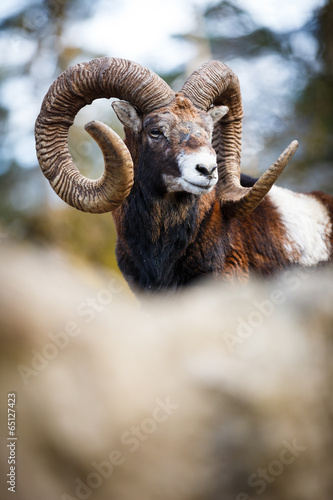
(206, 171)
(202, 170)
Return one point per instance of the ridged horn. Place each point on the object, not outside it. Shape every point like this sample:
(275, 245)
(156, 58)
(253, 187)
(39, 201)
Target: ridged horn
(75, 88)
(214, 83)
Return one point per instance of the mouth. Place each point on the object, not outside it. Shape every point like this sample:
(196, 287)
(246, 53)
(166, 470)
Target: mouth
(202, 186)
(182, 184)
(197, 188)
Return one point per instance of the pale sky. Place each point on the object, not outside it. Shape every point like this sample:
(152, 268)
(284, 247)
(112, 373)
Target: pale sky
(143, 31)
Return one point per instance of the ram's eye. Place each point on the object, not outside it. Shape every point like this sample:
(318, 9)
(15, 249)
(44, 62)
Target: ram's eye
(155, 133)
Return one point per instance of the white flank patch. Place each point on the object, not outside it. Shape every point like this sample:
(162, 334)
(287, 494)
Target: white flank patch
(307, 224)
(191, 180)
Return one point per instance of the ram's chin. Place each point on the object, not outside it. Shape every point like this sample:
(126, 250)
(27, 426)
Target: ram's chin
(193, 186)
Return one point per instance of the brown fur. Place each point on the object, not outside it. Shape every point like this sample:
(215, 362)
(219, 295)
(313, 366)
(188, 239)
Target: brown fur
(168, 239)
(186, 127)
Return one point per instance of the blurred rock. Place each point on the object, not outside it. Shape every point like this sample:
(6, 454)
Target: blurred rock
(220, 392)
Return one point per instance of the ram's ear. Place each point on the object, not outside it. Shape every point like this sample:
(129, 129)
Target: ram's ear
(128, 115)
(218, 112)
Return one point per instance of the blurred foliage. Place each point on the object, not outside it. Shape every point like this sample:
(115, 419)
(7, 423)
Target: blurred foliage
(315, 104)
(87, 236)
(28, 211)
(234, 34)
(32, 34)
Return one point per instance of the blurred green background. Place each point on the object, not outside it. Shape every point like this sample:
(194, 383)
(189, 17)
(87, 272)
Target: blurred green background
(282, 52)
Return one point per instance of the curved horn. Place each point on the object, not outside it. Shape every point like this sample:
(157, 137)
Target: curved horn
(250, 198)
(73, 89)
(214, 83)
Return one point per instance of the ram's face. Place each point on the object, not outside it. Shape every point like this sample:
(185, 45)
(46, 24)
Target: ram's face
(176, 146)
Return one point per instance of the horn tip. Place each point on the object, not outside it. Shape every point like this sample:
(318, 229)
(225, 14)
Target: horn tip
(90, 125)
(291, 150)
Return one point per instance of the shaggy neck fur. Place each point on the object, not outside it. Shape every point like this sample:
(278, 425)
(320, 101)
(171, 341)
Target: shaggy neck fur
(155, 237)
(168, 242)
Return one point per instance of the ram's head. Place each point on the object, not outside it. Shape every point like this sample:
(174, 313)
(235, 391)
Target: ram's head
(176, 142)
